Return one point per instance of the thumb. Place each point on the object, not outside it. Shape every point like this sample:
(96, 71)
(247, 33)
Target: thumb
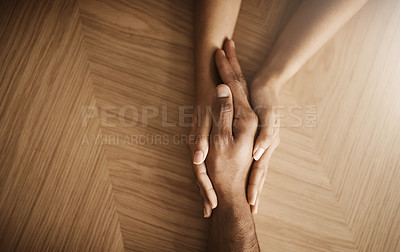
(202, 133)
(223, 112)
(268, 125)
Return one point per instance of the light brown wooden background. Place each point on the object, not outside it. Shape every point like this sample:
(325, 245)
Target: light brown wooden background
(333, 186)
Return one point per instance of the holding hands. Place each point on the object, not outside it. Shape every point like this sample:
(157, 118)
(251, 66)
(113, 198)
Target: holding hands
(227, 139)
(236, 138)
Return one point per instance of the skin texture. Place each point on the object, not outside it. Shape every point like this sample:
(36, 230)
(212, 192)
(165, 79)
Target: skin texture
(310, 27)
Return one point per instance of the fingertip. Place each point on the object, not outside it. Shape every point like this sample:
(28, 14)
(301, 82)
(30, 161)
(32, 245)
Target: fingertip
(212, 199)
(220, 52)
(228, 44)
(206, 212)
(254, 209)
(198, 157)
(258, 152)
(214, 204)
(232, 43)
(252, 201)
(251, 197)
(223, 91)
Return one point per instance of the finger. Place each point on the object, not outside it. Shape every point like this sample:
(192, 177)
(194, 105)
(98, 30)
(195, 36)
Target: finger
(254, 209)
(205, 184)
(257, 175)
(201, 146)
(238, 88)
(229, 77)
(223, 112)
(245, 125)
(224, 67)
(228, 66)
(229, 48)
(207, 208)
(266, 135)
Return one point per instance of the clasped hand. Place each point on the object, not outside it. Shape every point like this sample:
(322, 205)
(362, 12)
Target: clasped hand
(227, 140)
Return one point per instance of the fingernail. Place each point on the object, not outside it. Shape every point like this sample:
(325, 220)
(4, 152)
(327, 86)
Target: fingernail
(222, 91)
(258, 153)
(213, 205)
(233, 43)
(207, 214)
(253, 200)
(204, 213)
(198, 157)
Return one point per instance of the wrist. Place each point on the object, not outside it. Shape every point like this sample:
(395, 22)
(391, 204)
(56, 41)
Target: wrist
(268, 88)
(270, 81)
(232, 200)
(231, 194)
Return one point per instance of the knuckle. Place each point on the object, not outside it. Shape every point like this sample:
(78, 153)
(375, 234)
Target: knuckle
(249, 122)
(200, 174)
(252, 120)
(224, 108)
(240, 125)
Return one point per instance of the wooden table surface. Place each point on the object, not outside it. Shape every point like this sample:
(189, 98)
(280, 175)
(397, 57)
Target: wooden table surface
(91, 147)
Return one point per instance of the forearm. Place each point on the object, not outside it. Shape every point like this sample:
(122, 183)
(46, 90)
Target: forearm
(214, 22)
(310, 27)
(232, 226)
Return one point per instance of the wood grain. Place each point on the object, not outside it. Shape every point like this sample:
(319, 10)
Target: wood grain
(74, 180)
(55, 192)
